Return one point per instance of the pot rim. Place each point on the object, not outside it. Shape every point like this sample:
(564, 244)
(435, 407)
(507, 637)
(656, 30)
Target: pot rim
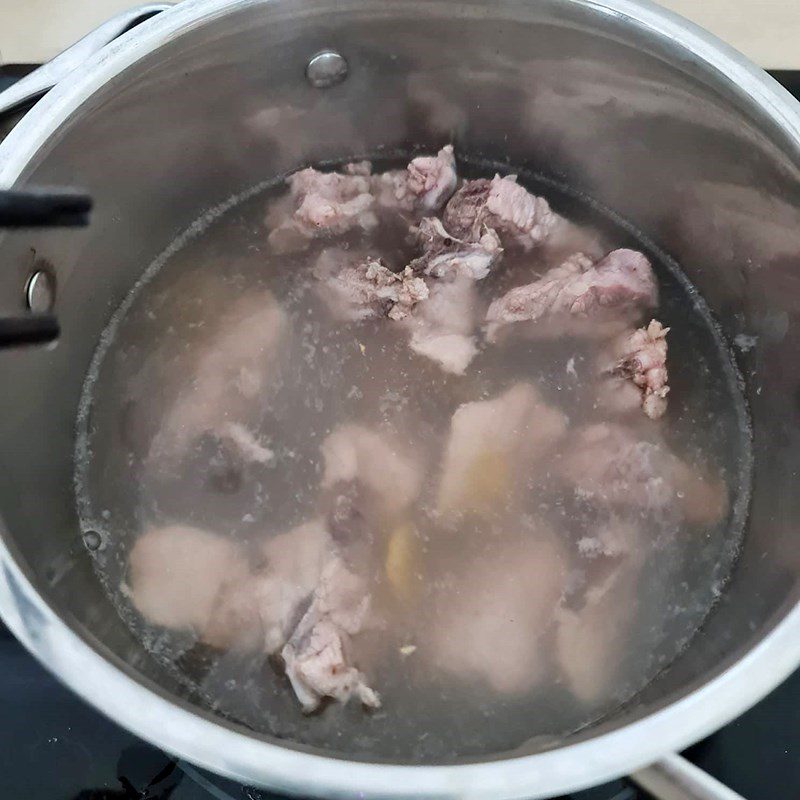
(202, 739)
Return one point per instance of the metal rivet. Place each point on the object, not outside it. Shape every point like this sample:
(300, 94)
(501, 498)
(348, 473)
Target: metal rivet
(326, 69)
(92, 540)
(40, 291)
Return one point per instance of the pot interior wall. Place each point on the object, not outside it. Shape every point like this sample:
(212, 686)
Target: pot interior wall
(589, 98)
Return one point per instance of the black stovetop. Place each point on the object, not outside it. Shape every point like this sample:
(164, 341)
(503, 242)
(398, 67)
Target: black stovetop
(53, 746)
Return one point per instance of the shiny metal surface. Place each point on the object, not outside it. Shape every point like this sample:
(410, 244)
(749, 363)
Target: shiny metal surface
(675, 778)
(326, 69)
(643, 111)
(40, 291)
(48, 75)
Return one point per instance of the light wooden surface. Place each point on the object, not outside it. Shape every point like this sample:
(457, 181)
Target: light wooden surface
(768, 31)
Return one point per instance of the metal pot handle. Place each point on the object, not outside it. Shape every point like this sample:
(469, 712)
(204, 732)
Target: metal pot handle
(48, 75)
(675, 778)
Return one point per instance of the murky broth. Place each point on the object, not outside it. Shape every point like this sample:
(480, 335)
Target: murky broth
(147, 455)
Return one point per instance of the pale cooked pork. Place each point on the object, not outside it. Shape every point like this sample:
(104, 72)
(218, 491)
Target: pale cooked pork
(442, 328)
(259, 611)
(322, 204)
(425, 185)
(491, 443)
(501, 204)
(608, 464)
(234, 366)
(580, 297)
(493, 624)
(356, 288)
(356, 453)
(176, 573)
(318, 654)
(591, 638)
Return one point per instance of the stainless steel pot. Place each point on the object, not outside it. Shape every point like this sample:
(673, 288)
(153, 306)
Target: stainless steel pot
(644, 111)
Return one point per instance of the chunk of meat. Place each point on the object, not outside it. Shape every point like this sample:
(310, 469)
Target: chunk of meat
(259, 611)
(357, 288)
(425, 185)
(640, 359)
(591, 640)
(318, 657)
(491, 442)
(444, 256)
(520, 218)
(580, 298)
(322, 204)
(591, 634)
(607, 463)
(492, 625)
(176, 573)
(355, 453)
(231, 369)
(442, 327)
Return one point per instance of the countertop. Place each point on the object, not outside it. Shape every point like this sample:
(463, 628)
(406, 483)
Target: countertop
(768, 31)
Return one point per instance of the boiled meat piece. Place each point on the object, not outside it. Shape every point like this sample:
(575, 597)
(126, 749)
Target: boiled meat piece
(447, 257)
(231, 370)
(490, 626)
(259, 611)
(641, 358)
(176, 574)
(610, 464)
(425, 185)
(590, 639)
(356, 288)
(491, 442)
(322, 204)
(318, 657)
(442, 328)
(607, 463)
(356, 454)
(580, 297)
(520, 218)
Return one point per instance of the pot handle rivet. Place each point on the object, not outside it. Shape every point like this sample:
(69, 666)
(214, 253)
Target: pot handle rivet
(326, 69)
(40, 291)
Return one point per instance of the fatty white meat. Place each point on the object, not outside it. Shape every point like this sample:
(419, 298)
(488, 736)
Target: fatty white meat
(356, 453)
(177, 572)
(492, 443)
(492, 625)
(233, 368)
(591, 639)
(259, 611)
(442, 328)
